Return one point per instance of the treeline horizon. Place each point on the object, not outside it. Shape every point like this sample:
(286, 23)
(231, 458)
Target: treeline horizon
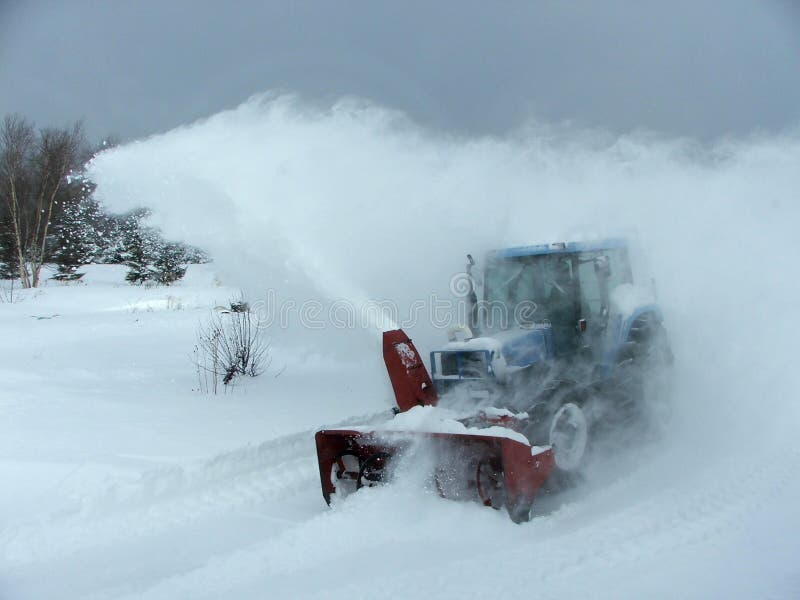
(49, 215)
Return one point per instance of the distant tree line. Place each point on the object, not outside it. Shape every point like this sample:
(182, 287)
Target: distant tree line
(48, 214)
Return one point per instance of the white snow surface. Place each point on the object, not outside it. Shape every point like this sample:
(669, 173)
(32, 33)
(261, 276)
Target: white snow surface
(122, 481)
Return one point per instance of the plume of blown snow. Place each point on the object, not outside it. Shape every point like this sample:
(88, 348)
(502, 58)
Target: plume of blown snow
(355, 203)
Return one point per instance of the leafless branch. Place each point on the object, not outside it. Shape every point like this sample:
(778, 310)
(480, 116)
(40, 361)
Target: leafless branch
(230, 345)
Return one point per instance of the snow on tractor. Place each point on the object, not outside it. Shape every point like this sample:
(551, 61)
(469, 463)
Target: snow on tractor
(556, 352)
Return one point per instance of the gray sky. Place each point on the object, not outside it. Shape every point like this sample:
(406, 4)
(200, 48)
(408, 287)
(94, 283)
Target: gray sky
(702, 68)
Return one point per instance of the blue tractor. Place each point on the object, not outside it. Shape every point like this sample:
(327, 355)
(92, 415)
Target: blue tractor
(562, 337)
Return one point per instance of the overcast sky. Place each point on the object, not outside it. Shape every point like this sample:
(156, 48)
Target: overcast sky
(702, 68)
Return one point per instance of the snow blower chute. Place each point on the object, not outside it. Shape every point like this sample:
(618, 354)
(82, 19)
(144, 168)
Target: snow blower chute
(491, 463)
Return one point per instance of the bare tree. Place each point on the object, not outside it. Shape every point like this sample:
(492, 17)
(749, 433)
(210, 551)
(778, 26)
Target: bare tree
(16, 147)
(34, 176)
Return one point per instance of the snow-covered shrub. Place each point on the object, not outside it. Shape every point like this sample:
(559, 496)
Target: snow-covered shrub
(230, 344)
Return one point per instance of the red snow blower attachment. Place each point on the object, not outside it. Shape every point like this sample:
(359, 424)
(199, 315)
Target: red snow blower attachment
(495, 470)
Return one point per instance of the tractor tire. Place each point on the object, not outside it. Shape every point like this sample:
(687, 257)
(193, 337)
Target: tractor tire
(563, 424)
(642, 375)
(648, 344)
(569, 436)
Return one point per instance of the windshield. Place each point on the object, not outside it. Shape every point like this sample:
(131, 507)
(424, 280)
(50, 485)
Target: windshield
(531, 289)
(557, 288)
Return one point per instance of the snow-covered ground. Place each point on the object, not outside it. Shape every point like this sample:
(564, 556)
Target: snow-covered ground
(121, 480)
(107, 445)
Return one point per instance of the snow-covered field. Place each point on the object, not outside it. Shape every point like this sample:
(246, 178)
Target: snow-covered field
(108, 451)
(121, 480)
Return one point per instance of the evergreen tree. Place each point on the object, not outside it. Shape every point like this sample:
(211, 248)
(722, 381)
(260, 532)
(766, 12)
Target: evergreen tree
(9, 263)
(76, 241)
(140, 246)
(109, 239)
(170, 263)
(112, 236)
(195, 256)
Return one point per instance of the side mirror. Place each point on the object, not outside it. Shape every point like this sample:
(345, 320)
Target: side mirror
(602, 267)
(472, 296)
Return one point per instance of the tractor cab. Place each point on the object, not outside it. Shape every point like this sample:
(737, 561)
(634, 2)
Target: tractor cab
(543, 306)
(565, 287)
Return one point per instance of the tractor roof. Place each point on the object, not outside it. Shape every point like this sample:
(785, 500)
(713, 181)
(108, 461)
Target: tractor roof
(560, 248)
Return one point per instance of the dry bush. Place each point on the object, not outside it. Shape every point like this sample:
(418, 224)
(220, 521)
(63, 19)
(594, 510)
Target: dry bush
(229, 345)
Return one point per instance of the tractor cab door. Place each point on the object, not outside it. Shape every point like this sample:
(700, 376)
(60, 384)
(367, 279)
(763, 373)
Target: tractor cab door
(599, 272)
(561, 301)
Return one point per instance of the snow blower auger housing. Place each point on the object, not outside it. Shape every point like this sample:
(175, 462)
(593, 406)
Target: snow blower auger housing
(493, 465)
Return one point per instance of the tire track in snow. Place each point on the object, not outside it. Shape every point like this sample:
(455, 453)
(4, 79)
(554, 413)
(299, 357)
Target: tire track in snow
(577, 549)
(249, 478)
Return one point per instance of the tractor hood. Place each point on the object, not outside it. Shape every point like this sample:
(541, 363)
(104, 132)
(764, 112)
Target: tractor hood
(498, 354)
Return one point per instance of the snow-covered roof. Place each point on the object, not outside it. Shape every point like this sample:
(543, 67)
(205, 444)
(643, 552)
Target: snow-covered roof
(560, 248)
